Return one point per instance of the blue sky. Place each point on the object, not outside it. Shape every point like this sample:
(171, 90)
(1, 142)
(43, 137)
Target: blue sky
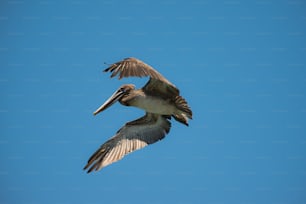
(241, 65)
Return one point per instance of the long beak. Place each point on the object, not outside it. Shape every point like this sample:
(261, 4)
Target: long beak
(113, 99)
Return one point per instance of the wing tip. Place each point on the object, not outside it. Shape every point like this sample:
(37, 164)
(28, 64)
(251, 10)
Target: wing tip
(85, 168)
(91, 169)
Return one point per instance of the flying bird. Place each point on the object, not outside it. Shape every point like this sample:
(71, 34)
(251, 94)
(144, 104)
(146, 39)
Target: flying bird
(159, 98)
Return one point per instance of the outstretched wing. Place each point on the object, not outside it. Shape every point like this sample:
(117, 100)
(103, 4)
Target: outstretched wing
(134, 67)
(131, 137)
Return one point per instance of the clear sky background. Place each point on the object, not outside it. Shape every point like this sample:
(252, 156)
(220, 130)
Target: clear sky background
(241, 65)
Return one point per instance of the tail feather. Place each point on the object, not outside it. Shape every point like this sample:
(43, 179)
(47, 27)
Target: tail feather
(181, 118)
(182, 105)
(184, 112)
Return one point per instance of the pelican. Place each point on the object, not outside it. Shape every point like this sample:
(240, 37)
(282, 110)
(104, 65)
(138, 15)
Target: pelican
(159, 98)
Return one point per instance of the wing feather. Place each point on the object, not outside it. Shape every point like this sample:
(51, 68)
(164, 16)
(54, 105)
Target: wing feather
(131, 137)
(129, 67)
(132, 67)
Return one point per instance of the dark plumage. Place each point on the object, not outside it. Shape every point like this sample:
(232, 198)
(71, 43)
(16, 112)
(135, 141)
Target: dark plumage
(159, 98)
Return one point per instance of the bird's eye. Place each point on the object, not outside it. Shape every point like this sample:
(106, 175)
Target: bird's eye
(123, 90)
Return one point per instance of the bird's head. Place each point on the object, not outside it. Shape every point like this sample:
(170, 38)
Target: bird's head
(124, 90)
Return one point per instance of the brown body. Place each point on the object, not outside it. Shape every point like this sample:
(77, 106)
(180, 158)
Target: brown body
(159, 98)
